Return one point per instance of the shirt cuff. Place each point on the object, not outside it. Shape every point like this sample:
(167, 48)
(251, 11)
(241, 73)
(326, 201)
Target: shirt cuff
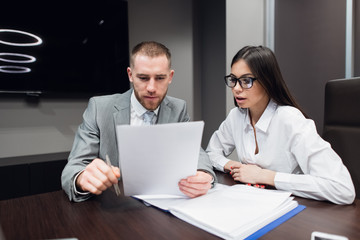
(282, 180)
(220, 164)
(75, 189)
(212, 182)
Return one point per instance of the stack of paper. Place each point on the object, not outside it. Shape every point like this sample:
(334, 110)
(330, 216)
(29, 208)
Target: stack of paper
(231, 212)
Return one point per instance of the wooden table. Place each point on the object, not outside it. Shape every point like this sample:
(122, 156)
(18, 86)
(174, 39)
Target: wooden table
(51, 215)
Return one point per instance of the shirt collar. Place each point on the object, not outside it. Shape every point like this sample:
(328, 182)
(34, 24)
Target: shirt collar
(265, 118)
(247, 125)
(138, 108)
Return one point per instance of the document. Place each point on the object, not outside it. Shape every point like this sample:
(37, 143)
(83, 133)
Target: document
(153, 159)
(166, 202)
(233, 212)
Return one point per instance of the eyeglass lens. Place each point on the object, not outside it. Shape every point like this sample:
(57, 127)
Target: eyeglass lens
(245, 82)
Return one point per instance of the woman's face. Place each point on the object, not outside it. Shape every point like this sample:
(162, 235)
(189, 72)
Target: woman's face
(254, 98)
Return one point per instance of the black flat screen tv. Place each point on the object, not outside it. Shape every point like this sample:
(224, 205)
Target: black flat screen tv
(64, 47)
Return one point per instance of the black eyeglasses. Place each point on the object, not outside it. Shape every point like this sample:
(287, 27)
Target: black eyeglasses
(245, 82)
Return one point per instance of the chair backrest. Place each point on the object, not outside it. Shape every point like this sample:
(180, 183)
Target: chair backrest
(342, 123)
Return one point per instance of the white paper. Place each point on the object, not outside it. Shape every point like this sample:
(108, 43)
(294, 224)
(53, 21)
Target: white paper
(235, 212)
(153, 159)
(230, 212)
(165, 202)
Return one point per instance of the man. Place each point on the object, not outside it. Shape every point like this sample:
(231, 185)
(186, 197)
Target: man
(150, 73)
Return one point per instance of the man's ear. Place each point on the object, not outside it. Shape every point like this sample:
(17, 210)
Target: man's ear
(171, 76)
(129, 72)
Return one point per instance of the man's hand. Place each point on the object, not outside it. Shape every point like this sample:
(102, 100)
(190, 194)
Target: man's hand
(197, 185)
(97, 177)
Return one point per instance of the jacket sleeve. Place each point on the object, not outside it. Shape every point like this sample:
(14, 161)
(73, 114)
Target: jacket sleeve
(84, 150)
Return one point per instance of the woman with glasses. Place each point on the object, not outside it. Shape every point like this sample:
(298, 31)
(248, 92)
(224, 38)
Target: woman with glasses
(277, 145)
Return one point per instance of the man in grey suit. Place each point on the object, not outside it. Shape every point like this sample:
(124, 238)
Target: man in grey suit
(86, 174)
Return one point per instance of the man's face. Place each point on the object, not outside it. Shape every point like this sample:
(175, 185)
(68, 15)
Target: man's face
(151, 77)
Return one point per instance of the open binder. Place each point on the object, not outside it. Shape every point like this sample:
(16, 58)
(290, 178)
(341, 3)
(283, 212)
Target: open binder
(231, 212)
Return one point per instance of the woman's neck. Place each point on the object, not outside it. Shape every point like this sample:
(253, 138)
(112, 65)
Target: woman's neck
(257, 111)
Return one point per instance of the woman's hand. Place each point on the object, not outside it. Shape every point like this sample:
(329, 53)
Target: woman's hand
(253, 174)
(231, 165)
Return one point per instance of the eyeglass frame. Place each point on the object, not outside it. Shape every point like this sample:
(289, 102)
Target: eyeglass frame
(239, 80)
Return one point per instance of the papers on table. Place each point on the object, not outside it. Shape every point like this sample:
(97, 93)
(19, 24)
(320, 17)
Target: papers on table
(231, 212)
(165, 202)
(154, 158)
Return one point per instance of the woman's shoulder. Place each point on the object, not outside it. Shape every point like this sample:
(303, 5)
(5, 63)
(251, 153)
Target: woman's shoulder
(290, 113)
(291, 117)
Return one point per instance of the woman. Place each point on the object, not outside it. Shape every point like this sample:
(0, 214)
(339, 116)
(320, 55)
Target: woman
(276, 144)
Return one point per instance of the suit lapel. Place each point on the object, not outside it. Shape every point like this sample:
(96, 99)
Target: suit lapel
(122, 109)
(164, 112)
(121, 116)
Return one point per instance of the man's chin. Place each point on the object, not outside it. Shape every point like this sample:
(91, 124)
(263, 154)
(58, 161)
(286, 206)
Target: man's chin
(151, 107)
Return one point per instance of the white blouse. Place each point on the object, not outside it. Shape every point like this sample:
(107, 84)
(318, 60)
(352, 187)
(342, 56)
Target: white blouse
(289, 144)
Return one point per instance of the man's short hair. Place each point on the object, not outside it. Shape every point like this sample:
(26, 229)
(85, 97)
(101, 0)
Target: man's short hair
(150, 49)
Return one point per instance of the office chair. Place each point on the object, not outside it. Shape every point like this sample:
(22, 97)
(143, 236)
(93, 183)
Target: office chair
(342, 123)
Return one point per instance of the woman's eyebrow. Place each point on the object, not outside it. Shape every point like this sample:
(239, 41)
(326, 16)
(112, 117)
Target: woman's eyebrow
(247, 75)
(244, 75)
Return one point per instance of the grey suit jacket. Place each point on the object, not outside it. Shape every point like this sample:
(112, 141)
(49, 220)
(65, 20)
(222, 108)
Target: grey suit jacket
(96, 136)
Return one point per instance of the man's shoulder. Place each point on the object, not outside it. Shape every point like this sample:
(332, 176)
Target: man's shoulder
(111, 98)
(175, 101)
(106, 98)
(173, 110)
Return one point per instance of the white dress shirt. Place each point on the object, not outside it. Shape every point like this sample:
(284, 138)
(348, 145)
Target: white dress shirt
(289, 144)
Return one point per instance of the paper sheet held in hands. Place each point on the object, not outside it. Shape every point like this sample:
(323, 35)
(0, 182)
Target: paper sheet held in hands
(153, 159)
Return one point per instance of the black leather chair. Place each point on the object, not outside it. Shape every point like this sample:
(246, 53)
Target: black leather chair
(342, 123)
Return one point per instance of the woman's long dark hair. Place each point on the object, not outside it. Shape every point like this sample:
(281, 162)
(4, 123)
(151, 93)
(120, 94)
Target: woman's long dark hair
(264, 66)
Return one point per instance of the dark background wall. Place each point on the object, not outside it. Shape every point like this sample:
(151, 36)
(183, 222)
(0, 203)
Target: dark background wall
(210, 64)
(310, 47)
(357, 38)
